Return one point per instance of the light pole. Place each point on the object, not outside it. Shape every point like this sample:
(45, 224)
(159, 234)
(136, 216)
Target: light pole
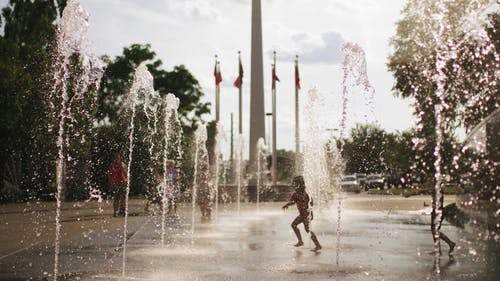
(270, 119)
(332, 130)
(274, 156)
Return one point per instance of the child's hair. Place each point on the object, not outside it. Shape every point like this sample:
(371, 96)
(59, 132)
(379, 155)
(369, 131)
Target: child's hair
(298, 182)
(170, 163)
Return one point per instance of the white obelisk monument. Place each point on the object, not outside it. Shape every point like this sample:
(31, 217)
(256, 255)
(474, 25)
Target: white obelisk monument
(257, 113)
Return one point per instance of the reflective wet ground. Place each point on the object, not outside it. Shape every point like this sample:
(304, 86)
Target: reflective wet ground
(383, 238)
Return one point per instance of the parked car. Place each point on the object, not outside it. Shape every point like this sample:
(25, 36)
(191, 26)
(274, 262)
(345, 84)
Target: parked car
(350, 183)
(361, 177)
(375, 181)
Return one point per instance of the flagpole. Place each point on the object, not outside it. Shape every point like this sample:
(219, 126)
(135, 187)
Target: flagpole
(231, 157)
(274, 162)
(240, 129)
(240, 107)
(297, 140)
(217, 91)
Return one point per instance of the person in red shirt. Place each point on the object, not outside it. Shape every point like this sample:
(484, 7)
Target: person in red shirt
(300, 197)
(117, 180)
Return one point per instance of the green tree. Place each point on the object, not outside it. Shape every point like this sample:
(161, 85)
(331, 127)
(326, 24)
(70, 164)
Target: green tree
(115, 86)
(78, 122)
(285, 163)
(371, 149)
(116, 81)
(25, 61)
(399, 153)
(470, 73)
(366, 150)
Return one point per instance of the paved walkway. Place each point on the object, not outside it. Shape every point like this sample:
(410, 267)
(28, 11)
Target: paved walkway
(382, 238)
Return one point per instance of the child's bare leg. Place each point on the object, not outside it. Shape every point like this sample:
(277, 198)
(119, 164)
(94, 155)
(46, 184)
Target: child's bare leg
(316, 242)
(296, 222)
(313, 237)
(450, 243)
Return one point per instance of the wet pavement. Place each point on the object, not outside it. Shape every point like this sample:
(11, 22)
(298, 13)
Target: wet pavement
(382, 238)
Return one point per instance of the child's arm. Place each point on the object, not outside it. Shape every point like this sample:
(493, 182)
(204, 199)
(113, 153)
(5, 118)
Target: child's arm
(289, 203)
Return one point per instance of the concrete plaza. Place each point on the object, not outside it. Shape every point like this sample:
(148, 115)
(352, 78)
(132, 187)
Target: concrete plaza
(381, 238)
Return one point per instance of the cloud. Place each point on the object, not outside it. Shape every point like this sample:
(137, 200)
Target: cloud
(143, 13)
(194, 9)
(325, 48)
(338, 7)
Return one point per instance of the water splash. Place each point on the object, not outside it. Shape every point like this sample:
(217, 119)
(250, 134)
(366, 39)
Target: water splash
(172, 151)
(142, 86)
(220, 138)
(150, 109)
(314, 154)
(261, 167)
(354, 74)
(56, 6)
(202, 193)
(239, 171)
(151, 105)
(446, 51)
(70, 90)
(453, 53)
(440, 91)
(317, 157)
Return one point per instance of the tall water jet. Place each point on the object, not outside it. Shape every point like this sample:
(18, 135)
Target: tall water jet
(172, 151)
(446, 52)
(56, 5)
(151, 105)
(334, 164)
(142, 86)
(261, 167)
(314, 155)
(440, 92)
(202, 193)
(239, 171)
(69, 91)
(354, 74)
(152, 102)
(451, 74)
(219, 138)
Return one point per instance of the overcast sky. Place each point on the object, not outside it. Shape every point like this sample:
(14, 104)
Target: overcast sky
(191, 32)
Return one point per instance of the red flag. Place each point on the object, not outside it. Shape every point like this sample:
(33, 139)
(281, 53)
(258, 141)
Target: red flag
(239, 80)
(217, 74)
(297, 78)
(275, 78)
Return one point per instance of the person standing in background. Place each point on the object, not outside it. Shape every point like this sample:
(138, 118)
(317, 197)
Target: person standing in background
(117, 181)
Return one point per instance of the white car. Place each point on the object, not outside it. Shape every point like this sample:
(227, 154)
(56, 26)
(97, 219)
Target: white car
(350, 183)
(375, 181)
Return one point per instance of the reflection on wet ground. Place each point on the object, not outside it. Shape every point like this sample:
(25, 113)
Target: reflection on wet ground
(381, 244)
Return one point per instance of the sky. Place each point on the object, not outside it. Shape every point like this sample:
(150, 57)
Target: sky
(191, 32)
